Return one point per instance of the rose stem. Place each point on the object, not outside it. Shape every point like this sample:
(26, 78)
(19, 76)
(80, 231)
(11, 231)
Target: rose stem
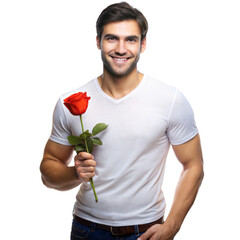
(91, 180)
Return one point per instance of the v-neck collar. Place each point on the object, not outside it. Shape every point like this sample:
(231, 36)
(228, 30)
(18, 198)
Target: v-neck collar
(117, 101)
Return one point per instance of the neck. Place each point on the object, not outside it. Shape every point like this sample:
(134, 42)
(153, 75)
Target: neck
(118, 87)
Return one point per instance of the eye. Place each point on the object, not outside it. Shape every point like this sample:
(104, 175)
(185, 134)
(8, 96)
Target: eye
(132, 40)
(111, 39)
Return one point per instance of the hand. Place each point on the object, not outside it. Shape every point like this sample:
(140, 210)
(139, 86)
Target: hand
(85, 166)
(158, 232)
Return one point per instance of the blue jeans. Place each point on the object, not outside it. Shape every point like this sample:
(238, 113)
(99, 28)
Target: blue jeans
(80, 231)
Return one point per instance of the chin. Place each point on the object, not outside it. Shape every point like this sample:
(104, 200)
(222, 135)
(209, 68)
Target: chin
(120, 73)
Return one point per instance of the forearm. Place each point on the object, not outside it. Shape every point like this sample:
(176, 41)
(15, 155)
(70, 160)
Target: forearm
(59, 176)
(185, 195)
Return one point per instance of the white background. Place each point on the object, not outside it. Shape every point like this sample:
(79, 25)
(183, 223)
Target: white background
(48, 47)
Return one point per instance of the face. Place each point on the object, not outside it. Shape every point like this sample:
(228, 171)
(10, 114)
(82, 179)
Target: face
(121, 47)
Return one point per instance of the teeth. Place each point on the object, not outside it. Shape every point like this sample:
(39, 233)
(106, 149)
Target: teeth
(121, 59)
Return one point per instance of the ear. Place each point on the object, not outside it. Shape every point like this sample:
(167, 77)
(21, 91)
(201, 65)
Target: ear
(98, 42)
(143, 45)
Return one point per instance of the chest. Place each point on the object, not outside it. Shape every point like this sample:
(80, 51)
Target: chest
(127, 122)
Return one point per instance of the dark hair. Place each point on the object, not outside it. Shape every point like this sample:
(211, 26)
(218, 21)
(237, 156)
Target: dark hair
(121, 12)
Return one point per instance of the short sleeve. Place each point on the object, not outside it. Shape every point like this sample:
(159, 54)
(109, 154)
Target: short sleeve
(181, 125)
(60, 129)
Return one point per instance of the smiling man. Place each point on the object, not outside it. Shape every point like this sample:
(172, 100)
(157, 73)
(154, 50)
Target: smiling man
(121, 46)
(145, 118)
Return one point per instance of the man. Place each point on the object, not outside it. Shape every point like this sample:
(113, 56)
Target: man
(145, 117)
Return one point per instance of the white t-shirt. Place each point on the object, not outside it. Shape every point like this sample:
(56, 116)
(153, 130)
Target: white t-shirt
(131, 161)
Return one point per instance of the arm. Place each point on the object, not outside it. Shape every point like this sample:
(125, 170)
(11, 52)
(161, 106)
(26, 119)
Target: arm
(55, 170)
(190, 156)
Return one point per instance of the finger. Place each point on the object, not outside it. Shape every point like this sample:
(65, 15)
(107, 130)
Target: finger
(85, 163)
(145, 236)
(84, 155)
(86, 169)
(149, 233)
(85, 175)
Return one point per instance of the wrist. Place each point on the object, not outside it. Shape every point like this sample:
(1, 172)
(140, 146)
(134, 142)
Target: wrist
(173, 225)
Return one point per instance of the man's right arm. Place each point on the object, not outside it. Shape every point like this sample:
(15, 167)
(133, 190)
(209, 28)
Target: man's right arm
(55, 170)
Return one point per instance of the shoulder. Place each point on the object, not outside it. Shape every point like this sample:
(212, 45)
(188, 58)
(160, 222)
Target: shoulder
(156, 85)
(159, 90)
(61, 110)
(88, 87)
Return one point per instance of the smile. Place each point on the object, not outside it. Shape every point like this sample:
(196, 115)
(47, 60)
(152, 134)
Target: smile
(121, 60)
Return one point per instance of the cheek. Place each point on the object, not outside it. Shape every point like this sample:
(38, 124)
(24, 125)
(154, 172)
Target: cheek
(106, 48)
(135, 50)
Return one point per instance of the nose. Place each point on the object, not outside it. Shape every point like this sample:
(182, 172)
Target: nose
(121, 48)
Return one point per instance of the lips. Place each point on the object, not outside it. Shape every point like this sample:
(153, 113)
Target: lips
(120, 59)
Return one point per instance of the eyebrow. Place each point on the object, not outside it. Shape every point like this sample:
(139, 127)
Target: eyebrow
(133, 37)
(117, 37)
(110, 36)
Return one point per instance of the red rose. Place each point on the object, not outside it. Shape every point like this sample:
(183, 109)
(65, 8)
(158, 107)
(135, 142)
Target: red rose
(77, 103)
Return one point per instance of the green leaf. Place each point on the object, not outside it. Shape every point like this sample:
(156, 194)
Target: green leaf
(99, 128)
(90, 145)
(97, 141)
(85, 135)
(74, 140)
(80, 148)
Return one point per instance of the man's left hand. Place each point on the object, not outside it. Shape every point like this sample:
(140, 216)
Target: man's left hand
(158, 232)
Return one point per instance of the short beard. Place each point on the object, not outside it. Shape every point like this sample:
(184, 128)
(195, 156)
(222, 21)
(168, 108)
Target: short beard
(112, 72)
